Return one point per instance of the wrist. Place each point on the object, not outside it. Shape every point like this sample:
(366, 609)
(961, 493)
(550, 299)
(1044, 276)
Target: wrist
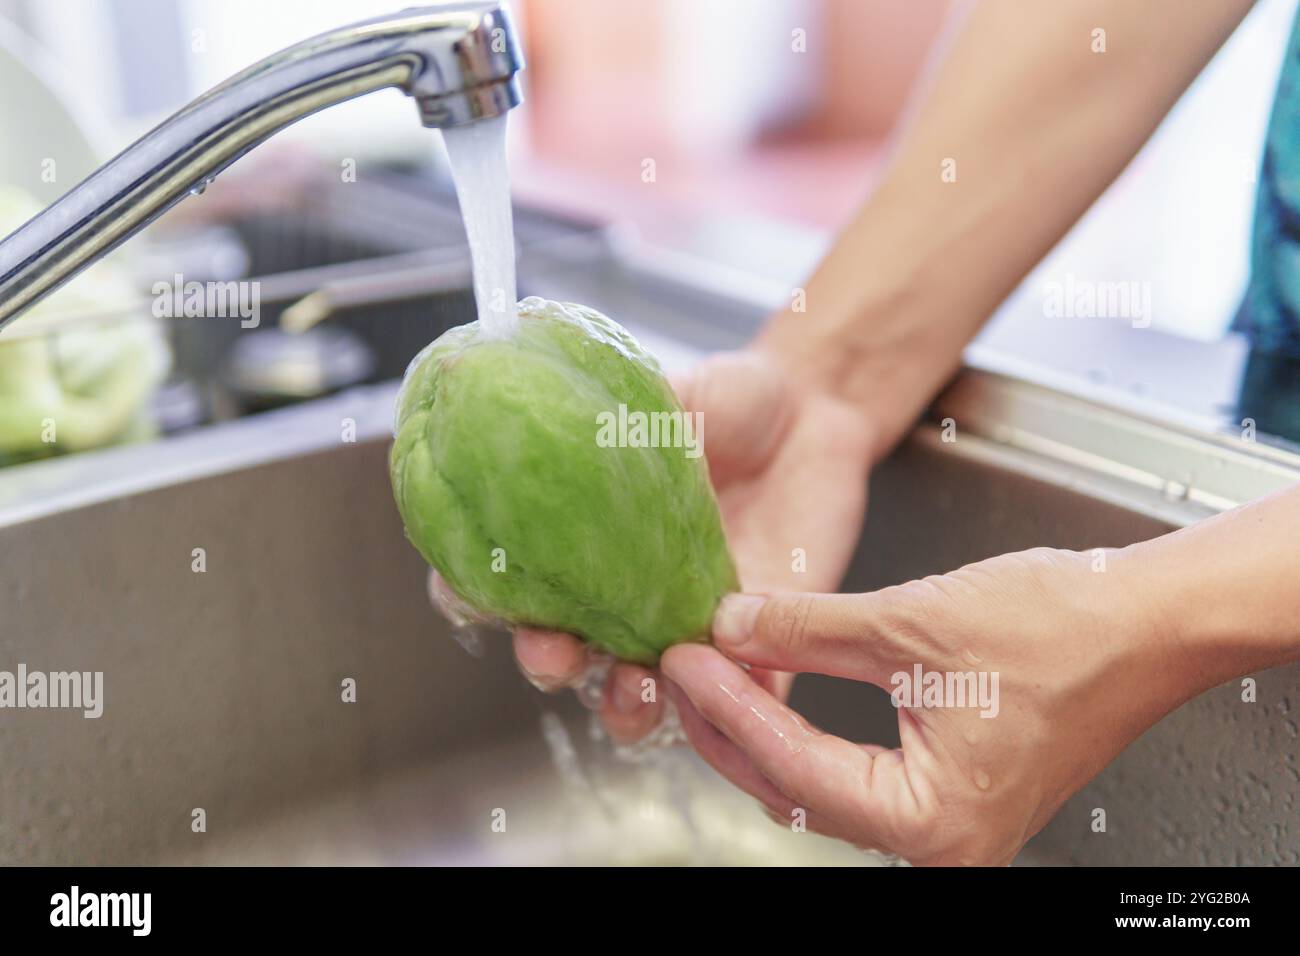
(1126, 656)
(1228, 586)
(1211, 623)
(870, 366)
(1152, 623)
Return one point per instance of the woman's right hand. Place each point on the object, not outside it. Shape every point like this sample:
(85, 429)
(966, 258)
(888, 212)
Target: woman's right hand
(1016, 680)
(789, 463)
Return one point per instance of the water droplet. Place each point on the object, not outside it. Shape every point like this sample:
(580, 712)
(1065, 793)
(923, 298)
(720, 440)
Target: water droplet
(590, 688)
(470, 638)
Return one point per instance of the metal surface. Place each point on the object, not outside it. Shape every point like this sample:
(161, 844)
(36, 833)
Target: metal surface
(458, 62)
(223, 687)
(274, 367)
(1215, 782)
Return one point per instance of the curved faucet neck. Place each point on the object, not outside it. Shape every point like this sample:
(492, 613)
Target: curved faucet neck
(459, 63)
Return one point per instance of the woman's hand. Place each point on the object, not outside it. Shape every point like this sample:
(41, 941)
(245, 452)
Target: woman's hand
(1083, 664)
(789, 464)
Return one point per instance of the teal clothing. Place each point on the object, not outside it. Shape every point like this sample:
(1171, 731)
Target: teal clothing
(1270, 310)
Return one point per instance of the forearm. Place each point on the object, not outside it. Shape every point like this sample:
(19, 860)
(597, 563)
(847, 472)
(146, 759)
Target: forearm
(1226, 591)
(1035, 125)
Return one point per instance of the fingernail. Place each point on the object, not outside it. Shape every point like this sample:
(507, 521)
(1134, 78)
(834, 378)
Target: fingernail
(546, 685)
(543, 682)
(734, 621)
(625, 692)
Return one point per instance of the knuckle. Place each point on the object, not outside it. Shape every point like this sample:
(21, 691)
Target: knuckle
(911, 614)
(786, 623)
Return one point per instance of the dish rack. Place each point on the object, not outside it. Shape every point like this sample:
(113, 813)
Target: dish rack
(362, 275)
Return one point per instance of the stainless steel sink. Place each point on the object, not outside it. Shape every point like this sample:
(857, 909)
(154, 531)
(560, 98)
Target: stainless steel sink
(224, 688)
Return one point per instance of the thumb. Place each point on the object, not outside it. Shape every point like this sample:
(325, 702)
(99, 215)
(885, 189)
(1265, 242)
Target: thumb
(843, 635)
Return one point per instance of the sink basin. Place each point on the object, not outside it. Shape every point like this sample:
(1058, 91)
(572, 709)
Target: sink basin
(224, 688)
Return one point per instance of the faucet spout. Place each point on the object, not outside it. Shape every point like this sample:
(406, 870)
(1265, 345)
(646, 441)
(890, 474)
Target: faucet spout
(459, 62)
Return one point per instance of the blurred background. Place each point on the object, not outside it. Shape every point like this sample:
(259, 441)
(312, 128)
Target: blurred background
(761, 146)
(665, 89)
(787, 118)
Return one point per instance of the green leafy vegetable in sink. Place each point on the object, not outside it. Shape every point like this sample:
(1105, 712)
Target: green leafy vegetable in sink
(79, 385)
(552, 479)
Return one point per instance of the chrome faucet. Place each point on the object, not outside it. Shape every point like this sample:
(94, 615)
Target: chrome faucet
(459, 62)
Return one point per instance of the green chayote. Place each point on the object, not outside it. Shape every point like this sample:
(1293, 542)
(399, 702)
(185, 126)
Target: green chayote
(82, 385)
(546, 478)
